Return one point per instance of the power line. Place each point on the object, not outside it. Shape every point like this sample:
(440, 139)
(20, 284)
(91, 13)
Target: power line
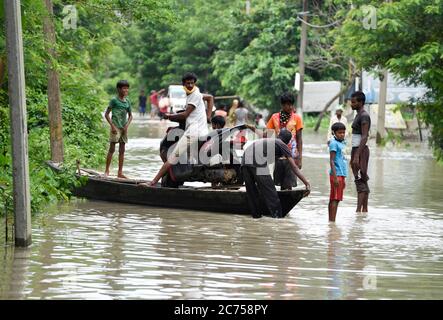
(317, 26)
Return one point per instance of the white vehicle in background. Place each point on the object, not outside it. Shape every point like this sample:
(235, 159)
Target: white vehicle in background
(177, 98)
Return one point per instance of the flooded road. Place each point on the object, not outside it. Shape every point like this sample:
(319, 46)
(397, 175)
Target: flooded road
(101, 250)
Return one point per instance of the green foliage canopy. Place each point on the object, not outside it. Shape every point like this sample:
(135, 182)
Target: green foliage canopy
(407, 41)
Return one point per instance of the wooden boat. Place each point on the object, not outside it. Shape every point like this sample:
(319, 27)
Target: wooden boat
(133, 191)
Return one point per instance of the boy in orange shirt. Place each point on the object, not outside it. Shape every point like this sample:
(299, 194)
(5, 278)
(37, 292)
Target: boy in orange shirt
(288, 119)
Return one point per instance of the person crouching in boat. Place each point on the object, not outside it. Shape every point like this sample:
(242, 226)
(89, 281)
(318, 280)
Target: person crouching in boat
(258, 180)
(218, 122)
(196, 118)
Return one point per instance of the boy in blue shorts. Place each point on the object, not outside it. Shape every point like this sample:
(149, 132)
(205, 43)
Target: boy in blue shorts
(120, 107)
(339, 168)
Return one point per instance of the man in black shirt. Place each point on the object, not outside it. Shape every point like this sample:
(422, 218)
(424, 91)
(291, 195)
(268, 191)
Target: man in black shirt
(258, 180)
(360, 151)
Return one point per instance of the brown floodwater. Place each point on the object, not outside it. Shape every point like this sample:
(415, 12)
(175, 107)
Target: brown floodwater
(101, 250)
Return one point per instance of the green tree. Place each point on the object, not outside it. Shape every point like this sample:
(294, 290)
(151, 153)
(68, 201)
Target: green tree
(165, 52)
(258, 56)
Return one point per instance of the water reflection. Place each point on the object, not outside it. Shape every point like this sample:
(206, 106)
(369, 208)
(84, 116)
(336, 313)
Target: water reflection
(100, 250)
(15, 273)
(335, 261)
(356, 254)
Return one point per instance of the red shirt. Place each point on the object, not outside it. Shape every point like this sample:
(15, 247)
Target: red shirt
(154, 98)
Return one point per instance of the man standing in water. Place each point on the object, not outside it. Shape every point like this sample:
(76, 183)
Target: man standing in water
(153, 98)
(360, 151)
(142, 103)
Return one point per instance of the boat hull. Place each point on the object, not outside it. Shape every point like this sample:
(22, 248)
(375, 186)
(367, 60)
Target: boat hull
(205, 199)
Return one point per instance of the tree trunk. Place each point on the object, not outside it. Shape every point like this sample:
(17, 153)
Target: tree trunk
(54, 100)
(2, 68)
(325, 109)
(382, 108)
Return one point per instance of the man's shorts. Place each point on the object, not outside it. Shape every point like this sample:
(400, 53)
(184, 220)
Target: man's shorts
(185, 148)
(119, 137)
(361, 182)
(362, 185)
(337, 192)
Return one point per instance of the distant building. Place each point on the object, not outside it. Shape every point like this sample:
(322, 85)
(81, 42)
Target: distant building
(318, 93)
(398, 91)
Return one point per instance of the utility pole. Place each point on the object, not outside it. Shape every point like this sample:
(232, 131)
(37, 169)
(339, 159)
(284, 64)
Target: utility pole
(382, 107)
(54, 99)
(19, 130)
(301, 59)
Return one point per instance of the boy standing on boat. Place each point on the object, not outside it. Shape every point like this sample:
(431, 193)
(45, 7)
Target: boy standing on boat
(120, 107)
(258, 181)
(197, 119)
(339, 168)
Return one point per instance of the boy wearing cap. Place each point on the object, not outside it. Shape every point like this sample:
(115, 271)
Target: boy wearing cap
(338, 117)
